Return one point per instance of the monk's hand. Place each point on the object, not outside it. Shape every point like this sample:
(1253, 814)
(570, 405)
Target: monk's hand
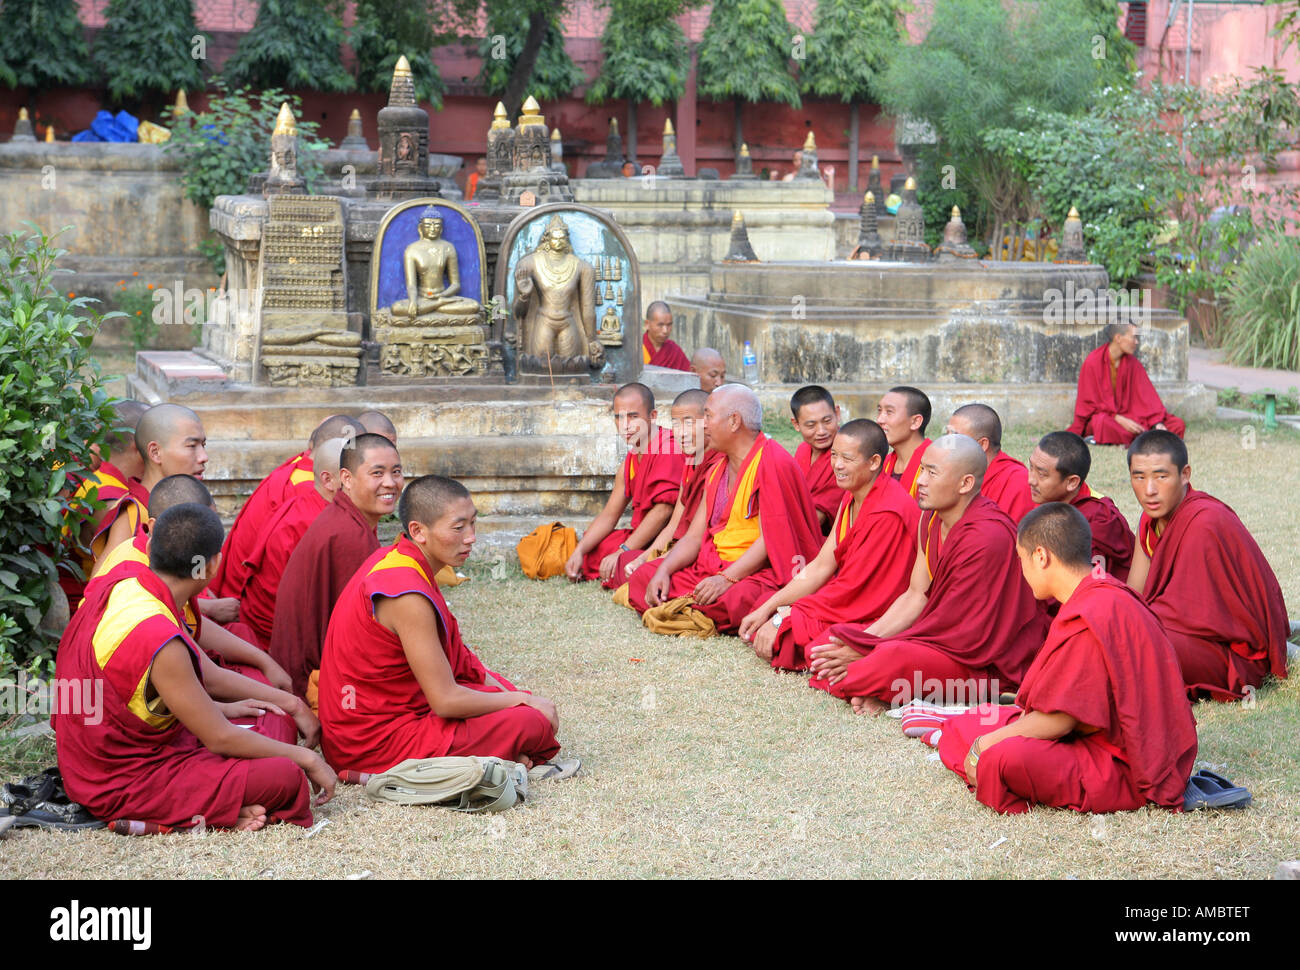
(607, 567)
(223, 610)
(573, 566)
(765, 641)
(752, 621)
(708, 590)
(321, 776)
(276, 675)
(307, 722)
(971, 763)
(1160, 426)
(248, 708)
(1128, 424)
(656, 590)
(546, 706)
(636, 564)
(831, 660)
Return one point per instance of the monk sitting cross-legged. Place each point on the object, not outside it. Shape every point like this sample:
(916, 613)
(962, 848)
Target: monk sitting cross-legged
(1101, 722)
(1058, 472)
(864, 564)
(817, 419)
(755, 527)
(397, 681)
(657, 346)
(330, 552)
(1116, 400)
(152, 739)
(1006, 481)
(1202, 573)
(903, 413)
(967, 626)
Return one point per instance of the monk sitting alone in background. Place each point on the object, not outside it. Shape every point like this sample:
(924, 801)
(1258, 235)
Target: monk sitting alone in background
(397, 681)
(1101, 722)
(1116, 400)
(816, 417)
(1202, 573)
(657, 346)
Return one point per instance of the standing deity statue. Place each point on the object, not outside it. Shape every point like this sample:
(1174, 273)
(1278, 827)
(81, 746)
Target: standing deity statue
(427, 263)
(554, 301)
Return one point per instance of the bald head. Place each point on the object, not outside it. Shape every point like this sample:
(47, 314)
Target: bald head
(978, 421)
(171, 440)
(709, 366)
(336, 426)
(642, 395)
(741, 401)
(121, 437)
(376, 422)
(177, 490)
(354, 456)
(962, 454)
(428, 499)
(325, 456)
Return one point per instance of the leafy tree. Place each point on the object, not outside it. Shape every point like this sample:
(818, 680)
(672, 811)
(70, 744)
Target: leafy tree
(147, 47)
(850, 47)
(1112, 53)
(43, 44)
(745, 54)
(387, 29)
(293, 44)
(647, 57)
(515, 31)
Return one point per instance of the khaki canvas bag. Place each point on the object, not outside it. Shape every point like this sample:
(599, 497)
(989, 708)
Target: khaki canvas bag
(464, 784)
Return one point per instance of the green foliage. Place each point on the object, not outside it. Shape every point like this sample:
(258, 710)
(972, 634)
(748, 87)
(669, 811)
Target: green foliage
(745, 53)
(293, 44)
(136, 301)
(223, 145)
(215, 253)
(385, 30)
(1112, 53)
(1263, 298)
(147, 47)
(1231, 397)
(647, 56)
(43, 44)
(852, 43)
(555, 74)
(52, 409)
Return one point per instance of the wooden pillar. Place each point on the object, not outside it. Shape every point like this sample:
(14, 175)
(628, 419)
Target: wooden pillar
(686, 123)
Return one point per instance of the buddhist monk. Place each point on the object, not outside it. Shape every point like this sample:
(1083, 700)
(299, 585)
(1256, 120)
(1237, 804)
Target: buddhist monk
(1101, 722)
(397, 681)
(152, 740)
(284, 531)
(903, 413)
(290, 478)
(863, 566)
(1058, 472)
(1204, 576)
(1116, 399)
(967, 627)
(233, 645)
(710, 368)
(376, 422)
(816, 417)
(1006, 480)
(330, 552)
(687, 414)
(657, 346)
(648, 479)
(755, 527)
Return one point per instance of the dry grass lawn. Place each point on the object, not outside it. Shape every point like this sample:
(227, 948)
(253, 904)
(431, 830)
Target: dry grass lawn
(701, 762)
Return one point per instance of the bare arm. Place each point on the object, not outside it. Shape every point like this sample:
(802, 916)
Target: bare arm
(1141, 568)
(227, 685)
(903, 612)
(214, 637)
(810, 579)
(650, 526)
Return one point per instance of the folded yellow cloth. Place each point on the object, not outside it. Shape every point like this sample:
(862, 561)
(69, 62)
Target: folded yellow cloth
(680, 618)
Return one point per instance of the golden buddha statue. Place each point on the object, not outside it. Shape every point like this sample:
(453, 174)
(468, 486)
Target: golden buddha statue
(427, 262)
(554, 300)
(611, 327)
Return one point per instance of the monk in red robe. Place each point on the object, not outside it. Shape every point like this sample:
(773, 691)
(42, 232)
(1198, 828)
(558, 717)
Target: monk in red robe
(1058, 472)
(864, 564)
(1116, 399)
(293, 477)
(754, 529)
(397, 681)
(284, 531)
(1101, 723)
(710, 367)
(150, 737)
(967, 627)
(1202, 573)
(817, 419)
(648, 479)
(1006, 481)
(903, 413)
(331, 550)
(657, 347)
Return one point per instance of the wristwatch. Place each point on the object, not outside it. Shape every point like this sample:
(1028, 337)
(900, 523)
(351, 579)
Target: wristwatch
(623, 546)
(776, 620)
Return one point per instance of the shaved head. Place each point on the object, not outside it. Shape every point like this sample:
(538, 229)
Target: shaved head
(128, 414)
(184, 535)
(162, 423)
(352, 458)
(692, 398)
(376, 422)
(738, 399)
(868, 436)
(640, 392)
(427, 499)
(177, 490)
(336, 426)
(709, 366)
(325, 456)
(966, 455)
(980, 421)
(706, 356)
(1062, 530)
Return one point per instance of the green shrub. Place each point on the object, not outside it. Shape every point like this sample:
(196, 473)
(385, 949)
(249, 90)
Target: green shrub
(135, 300)
(1264, 305)
(52, 409)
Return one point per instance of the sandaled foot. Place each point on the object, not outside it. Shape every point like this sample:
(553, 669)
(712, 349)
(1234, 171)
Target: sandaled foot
(557, 769)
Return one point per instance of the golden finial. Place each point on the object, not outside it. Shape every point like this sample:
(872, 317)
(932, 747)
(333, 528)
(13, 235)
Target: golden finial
(810, 143)
(532, 113)
(910, 184)
(1074, 213)
(499, 119)
(285, 124)
(22, 114)
(402, 67)
(869, 199)
(875, 161)
(737, 218)
(49, 133)
(355, 116)
(744, 149)
(182, 105)
(555, 134)
(668, 126)
(956, 212)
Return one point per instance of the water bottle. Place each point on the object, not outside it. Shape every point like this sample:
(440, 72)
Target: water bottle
(749, 360)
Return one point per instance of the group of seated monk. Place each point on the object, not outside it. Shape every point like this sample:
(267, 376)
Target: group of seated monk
(209, 655)
(945, 576)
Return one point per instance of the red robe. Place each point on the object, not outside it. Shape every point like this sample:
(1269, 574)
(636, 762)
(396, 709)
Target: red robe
(373, 712)
(669, 355)
(1006, 481)
(826, 492)
(691, 492)
(649, 479)
(1112, 538)
(1132, 395)
(774, 492)
(324, 561)
(249, 530)
(107, 484)
(266, 568)
(980, 625)
(907, 477)
(873, 563)
(1108, 664)
(124, 757)
(1217, 597)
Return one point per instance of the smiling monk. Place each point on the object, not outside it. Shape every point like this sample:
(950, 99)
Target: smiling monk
(903, 413)
(817, 419)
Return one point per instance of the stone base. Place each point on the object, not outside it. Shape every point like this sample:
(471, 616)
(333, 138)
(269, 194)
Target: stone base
(434, 347)
(311, 370)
